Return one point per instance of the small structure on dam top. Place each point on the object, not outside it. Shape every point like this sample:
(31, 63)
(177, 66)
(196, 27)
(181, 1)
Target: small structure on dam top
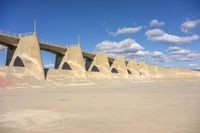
(25, 51)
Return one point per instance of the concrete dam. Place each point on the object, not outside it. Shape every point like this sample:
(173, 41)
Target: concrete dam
(24, 56)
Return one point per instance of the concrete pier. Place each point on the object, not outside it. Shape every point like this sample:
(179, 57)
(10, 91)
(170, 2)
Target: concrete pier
(119, 66)
(27, 54)
(71, 60)
(101, 64)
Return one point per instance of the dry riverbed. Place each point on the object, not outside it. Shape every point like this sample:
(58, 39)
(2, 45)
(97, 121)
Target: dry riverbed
(104, 107)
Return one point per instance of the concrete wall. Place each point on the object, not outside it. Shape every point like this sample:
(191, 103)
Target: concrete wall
(27, 54)
(99, 67)
(72, 60)
(101, 62)
(120, 65)
(70, 63)
(133, 67)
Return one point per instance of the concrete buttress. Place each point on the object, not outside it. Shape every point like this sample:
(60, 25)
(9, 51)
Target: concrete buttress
(132, 66)
(28, 55)
(71, 60)
(101, 64)
(119, 66)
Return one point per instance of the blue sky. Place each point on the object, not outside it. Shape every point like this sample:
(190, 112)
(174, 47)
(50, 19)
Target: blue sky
(167, 30)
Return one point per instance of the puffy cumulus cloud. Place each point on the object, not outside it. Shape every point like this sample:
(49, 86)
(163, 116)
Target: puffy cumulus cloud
(142, 53)
(147, 56)
(158, 56)
(177, 50)
(126, 30)
(190, 25)
(156, 23)
(181, 54)
(159, 35)
(124, 46)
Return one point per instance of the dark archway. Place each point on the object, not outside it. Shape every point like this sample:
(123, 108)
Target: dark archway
(66, 66)
(18, 62)
(88, 63)
(114, 70)
(140, 73)
(129, 72)
(110, 63)
(95, 69)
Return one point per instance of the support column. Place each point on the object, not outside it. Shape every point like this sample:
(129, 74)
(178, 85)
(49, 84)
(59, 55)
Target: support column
(119, 66)
(71, 60)
(100, 64)
(132, 66)
(148, 70)
(28, 55)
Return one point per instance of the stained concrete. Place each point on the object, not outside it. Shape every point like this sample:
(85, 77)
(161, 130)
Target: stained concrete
(132, 66)
(101, 63)
(27, 54)
(118, 66)
(72, 60)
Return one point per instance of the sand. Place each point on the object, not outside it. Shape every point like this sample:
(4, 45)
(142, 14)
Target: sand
(103, 107)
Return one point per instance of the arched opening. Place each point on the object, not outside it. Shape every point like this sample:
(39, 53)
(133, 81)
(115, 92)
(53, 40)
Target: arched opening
(18, 62)
(110, 63)
(3, 54)
(88, 63)
(48, 59)
(66, 66)
(114, 70)
(140, 73)
(95, 69)
(129, 72)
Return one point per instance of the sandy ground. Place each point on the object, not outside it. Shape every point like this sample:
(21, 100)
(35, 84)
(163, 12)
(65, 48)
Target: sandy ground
(122, 107)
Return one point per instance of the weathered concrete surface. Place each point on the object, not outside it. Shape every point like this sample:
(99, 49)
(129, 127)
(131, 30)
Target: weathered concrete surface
(132, 66)
(27, 54)
(156, 72)
(101, 62)
(25, 51)
(71, 60)
(63, 77)
(119, 66)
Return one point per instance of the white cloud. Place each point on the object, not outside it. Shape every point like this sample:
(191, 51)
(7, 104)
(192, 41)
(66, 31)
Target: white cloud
(177, 50)
(50, 65)
(192, 65)
(126, 30)
(181, 54)
(158, 55)
(146, 56)
(124, 46)
(159, 35)
(141, 53)
(174, 48)
(190, 25)
(156, 23)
